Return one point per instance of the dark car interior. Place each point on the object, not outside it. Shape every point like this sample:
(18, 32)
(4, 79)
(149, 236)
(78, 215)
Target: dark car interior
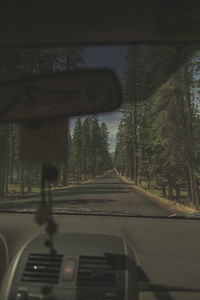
(84, 256)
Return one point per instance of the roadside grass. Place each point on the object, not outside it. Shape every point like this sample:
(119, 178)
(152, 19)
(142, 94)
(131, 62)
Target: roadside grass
(14, 190)
(156, 191)
(156, 195)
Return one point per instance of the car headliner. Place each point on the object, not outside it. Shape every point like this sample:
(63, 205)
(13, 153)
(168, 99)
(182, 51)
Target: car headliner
(45, 22)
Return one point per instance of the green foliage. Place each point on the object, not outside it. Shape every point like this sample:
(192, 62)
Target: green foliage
(19, 63)
(166, 126)
(150, 66)
(90, 152)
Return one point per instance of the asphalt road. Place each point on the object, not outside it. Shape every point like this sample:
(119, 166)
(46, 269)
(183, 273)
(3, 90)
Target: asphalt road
(108, 193)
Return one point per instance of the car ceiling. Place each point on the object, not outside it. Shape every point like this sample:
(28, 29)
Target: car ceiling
(39, 22)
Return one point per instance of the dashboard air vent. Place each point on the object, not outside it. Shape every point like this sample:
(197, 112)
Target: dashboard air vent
(96, 271)
(42, 268)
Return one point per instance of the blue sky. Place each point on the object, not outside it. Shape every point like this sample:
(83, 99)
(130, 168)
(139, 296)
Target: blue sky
(107, 57)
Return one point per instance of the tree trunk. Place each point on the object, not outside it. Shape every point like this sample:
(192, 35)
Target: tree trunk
(94, 169)
(7, 165)
(189, 195)
(6, 174)
(148, 182)
(164, 190)
(11, 154)
(178, 194)
(64, 182)
(190, 138)
(18, 172)
(192, 185)
(3, 156)
(22, 178)
(170, 191)
(196, 182)
(135, 141)
(132, 170)
(29, 186)
(135, 160)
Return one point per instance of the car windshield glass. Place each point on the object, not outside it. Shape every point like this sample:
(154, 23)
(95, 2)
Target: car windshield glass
(141, 160)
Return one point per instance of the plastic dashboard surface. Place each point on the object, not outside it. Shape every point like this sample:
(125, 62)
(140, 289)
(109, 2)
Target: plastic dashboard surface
(86, 266)
(165, 251)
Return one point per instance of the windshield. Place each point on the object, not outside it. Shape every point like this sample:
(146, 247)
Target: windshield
(142, 160)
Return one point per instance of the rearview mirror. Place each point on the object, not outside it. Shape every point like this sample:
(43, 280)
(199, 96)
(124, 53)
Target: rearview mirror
(60, 95)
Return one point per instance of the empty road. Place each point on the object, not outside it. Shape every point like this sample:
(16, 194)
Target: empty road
(108, 193)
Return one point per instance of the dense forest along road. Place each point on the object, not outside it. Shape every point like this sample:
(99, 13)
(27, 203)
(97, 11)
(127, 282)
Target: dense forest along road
(107, 193)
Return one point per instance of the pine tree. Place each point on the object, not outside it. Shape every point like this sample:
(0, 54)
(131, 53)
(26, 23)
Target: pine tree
(87, 148)
(77, 146)
(164, 133)
(106, 162)
(20, 63)
(95, 144)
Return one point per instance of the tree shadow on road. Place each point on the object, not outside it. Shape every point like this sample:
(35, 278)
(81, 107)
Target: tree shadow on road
(34, 204)
(108, 183)
(92, 191)
(83, 201)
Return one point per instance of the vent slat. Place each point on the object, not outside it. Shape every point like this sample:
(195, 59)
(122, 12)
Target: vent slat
(50, 265)
(98, 261)
(89, 266)
(99, 284)
(107, 280)
(96, 271)
(42, 273)
(42, 268)
(84, 277)
(91, 271)
(45, 280)
(44, 258)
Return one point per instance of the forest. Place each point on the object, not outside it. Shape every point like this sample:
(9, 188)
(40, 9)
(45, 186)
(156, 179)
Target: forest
(87, 155)
(158, 139)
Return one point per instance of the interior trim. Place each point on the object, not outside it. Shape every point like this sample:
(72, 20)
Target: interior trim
(8, 278)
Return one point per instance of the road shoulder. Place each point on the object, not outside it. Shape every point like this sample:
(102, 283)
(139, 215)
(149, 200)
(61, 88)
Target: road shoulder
(26, 197)
(173, 207)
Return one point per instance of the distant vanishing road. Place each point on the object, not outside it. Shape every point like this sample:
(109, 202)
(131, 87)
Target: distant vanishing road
(109, 193)
(106, 193)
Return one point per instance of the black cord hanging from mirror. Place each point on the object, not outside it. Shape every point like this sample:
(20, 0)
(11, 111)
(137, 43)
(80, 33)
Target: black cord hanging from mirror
(44, 214)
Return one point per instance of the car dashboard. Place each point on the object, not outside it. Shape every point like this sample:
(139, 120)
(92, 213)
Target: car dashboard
(101, 257)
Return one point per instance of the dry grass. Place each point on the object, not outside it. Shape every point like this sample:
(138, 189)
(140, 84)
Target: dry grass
(167, 204)
(15, 189)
